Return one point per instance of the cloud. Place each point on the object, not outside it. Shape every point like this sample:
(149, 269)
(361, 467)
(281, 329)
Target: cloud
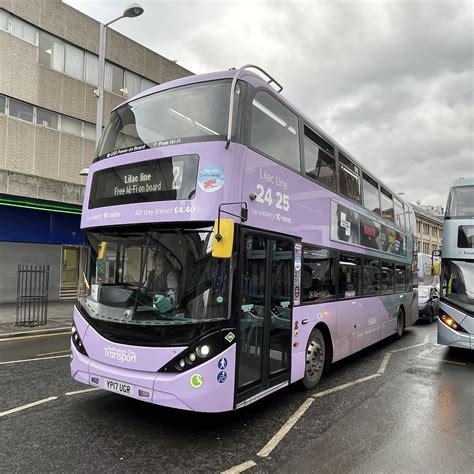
(392, 81)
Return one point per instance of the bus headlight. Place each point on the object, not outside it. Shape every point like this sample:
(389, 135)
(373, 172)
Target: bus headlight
(203, 351)
(76, 340)
(200, 352)
(451, 323)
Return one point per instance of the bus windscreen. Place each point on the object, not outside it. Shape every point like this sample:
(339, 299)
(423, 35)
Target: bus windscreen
(184, 114)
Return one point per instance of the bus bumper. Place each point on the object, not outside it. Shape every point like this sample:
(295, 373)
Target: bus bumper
(452, 338)
(207, 387)
(174, 390)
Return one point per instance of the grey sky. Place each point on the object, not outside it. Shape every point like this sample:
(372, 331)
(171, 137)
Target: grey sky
(392, 81)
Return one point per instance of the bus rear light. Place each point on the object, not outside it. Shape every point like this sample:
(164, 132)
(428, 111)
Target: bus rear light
(450, 322)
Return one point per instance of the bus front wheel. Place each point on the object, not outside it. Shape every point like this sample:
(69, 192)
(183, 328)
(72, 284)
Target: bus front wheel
(315, 359)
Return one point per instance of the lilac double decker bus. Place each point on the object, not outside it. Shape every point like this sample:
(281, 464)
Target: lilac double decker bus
(232, 248)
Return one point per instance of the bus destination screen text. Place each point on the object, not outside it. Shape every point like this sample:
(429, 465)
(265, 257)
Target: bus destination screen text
(164, 179)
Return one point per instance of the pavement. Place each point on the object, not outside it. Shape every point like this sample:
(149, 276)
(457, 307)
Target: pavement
(59, 319)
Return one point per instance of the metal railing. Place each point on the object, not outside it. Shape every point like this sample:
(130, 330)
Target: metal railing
(32, 295)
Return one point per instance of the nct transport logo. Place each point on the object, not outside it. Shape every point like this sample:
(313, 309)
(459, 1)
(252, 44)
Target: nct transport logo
(120, 354)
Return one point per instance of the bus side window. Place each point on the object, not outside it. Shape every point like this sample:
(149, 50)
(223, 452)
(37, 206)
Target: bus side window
(371, 277)
(371, 194)
(387, 203)
(388, 279)
(317, 280)
(400, 278)
(275, 130)
(349, 276)
(349, 178)
(319, 161)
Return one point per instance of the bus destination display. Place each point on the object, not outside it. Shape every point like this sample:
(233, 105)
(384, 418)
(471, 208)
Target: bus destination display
(165, 179)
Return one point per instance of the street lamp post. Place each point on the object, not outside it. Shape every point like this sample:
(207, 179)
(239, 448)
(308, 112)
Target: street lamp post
(131, 11)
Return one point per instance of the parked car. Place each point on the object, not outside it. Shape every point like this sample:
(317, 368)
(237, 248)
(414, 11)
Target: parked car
(428, 302)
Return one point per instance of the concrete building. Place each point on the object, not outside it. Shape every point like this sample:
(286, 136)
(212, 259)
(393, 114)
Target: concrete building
(48, 74)
(430, 230)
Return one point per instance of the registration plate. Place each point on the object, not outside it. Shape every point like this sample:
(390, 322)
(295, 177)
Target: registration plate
(119, 387)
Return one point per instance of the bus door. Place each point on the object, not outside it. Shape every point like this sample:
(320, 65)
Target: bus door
(265, 313)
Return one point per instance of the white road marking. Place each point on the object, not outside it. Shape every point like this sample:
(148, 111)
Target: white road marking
(422, 354)
(55, 352)
(384, 363)
(24, 407)
(31, 360)
(345, 385)
(408, 347)
(11, 337)
(270, 446)
(240, 468)
(82, 391)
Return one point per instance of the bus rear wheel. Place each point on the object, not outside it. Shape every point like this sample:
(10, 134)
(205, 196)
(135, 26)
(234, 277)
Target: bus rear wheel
(315, 359)
(400, 323)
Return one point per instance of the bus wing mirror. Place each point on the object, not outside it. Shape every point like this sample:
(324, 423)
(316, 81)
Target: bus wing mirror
(223, 240)
(436, 269)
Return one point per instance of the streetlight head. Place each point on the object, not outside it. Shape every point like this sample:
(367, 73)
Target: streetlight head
(133, 10)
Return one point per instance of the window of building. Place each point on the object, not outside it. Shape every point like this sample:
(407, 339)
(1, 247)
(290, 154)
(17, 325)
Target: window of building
(386, 203)
(371, 277)
(89, 131)
(51, 52)
(74, 65)
(20, 110)
(76, 62)
(3, 104)
(399, 214)
(23, 30)
(387, 283)
(426, 229)
(400, 278)
(4, 20)
(132, 84)
(349, 178)
(274, 130)
(91, 71)
(318, 162)
(70, 125)
(46, 118)
(371, 194)
(318, 281)
(349, 276)
(146, 84)
(113, 78)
